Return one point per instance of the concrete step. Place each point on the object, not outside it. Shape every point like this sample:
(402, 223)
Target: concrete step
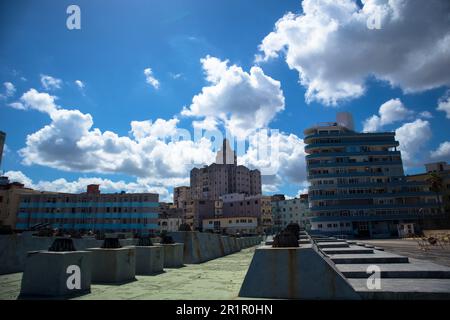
(369, 246)
(374, 258)
(379, 248)
(333, 245)
(326, 240)
(304, 241)
(350, 241)
(416, 269)
(349, 250)
(404, 289)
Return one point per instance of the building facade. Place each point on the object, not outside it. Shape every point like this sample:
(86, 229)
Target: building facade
(357, 183)
(442, 170)
(226, 177)
(182, 197)
(266, 214)
(10, 199)
(289, 211)
(232, 225)
(91, 211)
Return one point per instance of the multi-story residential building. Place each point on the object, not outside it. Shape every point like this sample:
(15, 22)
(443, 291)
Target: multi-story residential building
(2, 144)
(232, 225)
(182, 197)
(9, 200)
(170, 217)
(91, 211)
(286, 211)
(442, 170)
(357, 183)
(266, 214)
(225, 177)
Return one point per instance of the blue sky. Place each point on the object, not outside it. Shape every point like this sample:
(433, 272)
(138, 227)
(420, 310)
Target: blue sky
(118, 41)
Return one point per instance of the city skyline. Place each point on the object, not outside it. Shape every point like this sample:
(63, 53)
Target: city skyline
(97, 105)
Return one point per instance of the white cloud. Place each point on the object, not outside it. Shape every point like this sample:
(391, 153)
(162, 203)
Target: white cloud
(79, 185)
(71, 143)
(50, 83)
(444, 104)
(79, 84)
(176, 75)
(334, 51)
(283, 153)
(413, 137)
(150, 78)
(391, 111)
(243, 101)
(442, 153)
(17, 105)
(10, 89)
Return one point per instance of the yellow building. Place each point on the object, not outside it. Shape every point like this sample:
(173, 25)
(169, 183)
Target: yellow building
(9, 201)
(266, 213)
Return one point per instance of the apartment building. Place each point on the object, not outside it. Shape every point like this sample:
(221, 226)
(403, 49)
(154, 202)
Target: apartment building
(357, 182)
(91, 211)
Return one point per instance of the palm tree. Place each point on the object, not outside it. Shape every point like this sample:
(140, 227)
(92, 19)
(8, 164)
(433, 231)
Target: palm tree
(436, 185)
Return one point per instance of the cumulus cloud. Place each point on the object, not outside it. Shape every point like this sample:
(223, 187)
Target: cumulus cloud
(391, 111)
(413, 137)
(444, 104)
(79, 84)
(150, 78)
(442, 153)
(334, 51)
(79, 185)
(243, 101)
(279, 156)
(50, 83)
(10, 89)
(70, 142)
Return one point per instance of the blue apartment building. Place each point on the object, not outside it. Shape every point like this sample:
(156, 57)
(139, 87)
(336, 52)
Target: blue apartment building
(91, 211)
(357, 183)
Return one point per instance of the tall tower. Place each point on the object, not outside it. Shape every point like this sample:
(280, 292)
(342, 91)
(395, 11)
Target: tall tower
(226, 155)
(2, 143)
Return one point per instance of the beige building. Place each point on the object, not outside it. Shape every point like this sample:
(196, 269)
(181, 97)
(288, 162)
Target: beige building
(442, 169)
(182, 197)
(266, 213)
(232, 225)
(10, 200)
(225, 177)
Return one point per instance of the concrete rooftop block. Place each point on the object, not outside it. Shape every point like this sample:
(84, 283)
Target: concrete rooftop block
(294, 273)
(113, 265)
(47, 273)
(149, 260)
(333, 245)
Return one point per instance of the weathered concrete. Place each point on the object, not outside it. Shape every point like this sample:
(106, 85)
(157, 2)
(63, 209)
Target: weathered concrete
(349, 250)
(149, 260)
(47, 274)
(113, 265)
(383, 257)
(173, 255)
(216, 279)
(200, 247)
(404, 289)
(324, 245)
(294, 273)
(415, 269)
(14, 248)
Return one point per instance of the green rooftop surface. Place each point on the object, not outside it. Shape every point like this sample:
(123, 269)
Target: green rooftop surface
(216, 279)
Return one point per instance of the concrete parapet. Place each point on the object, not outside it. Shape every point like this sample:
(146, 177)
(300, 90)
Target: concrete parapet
(113, 265)
(15, 247)
(294, 273)
(57, 274)
(149, 260)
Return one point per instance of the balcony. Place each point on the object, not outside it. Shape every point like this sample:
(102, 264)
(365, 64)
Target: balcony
(347, 154)
(348, 174)
(335, 164)
(361, 143)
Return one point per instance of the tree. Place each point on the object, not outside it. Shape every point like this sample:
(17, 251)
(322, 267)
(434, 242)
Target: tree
(436, 185)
